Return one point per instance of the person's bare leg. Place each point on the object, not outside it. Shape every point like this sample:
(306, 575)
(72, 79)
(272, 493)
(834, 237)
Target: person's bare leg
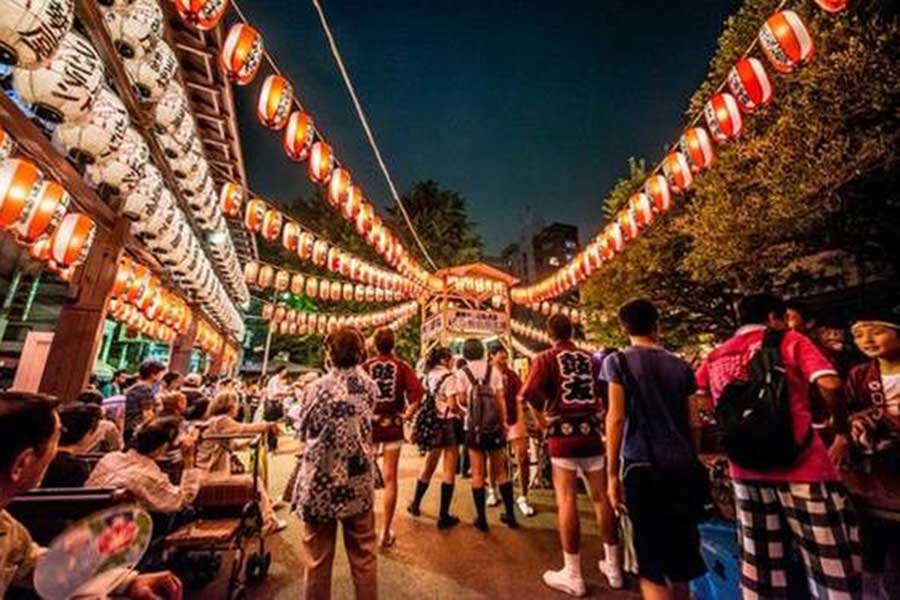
(569, 578)
(448, 479)
(391, 460)
(478, 459)
(449, 463)
(520, 449)
(655, 591)
(422, 481)
(611, 565)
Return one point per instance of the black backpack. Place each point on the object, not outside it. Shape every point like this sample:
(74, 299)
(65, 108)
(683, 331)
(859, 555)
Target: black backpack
(482, 413)
(754, 417)
(428, 422)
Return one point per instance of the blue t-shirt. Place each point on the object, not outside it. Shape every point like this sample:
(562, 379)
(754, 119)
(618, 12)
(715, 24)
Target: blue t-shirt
(665, 383)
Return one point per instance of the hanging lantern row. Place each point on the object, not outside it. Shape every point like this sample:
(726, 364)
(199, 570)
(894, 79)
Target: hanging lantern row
(137, 322)
(549, 309)
(476, 285)
(288, 321)
(34, 210)
(787, 44)
(522, 349)
(229, 357)
(538, 335)
(93, 130)
(241, 55)
(266, 277)
(136, 287)
(273, 226)
(208, 339)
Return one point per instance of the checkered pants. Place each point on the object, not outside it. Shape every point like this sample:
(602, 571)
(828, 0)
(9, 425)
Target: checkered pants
(818, 519)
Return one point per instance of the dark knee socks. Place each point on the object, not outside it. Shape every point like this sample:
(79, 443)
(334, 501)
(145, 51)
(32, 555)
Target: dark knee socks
(421, 488)
(446, 499)
(506, 492)
(478, 495)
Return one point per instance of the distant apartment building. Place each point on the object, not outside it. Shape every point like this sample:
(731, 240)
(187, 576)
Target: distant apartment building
(554, 246)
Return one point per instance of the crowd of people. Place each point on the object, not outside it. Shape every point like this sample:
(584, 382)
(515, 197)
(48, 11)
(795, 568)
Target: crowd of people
(625, 421)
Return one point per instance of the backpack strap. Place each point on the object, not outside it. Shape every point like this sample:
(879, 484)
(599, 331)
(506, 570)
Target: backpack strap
(487, 376)
(772, 339)
(469, 375)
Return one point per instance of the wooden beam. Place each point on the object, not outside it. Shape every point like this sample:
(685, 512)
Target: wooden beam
(182, 347)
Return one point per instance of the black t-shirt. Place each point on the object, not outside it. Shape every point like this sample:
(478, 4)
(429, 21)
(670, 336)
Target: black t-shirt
(138, 398)
(66, 471)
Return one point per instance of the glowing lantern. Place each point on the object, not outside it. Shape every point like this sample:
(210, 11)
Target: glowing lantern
(344, 261)
(19, 189)
(642, 207)
(347, 292)
(140, 279)
(832, 6)
(320, 253)
(266, 276)
(151, 74)
(359, 292)
(628, 224)
(72, 240)
(63, 88)
(271, 224)
(333, 261)
(338, 187)
(31, 31)
(290, 236)
(382, 240)
(45, 214)
(370, 293)
(298, 136)
(275, 100)
(312, 287)
(297, 282)
(171, 109)
(124, 273)
(786, 41)
(99, 134)
(268, 311)
(282, 281)
(379, 294)
(697, 148)
(7, 145)
(335, 289)
(231, 197)
(321, 162)
(202, 14)
(305, 245)
(678, 173)
(124, 169)
(254, 215)
(279, 314)
(136, 30)
(750, 84)
(723, 117)
(242, 53)
(374, 231)
(658, 190)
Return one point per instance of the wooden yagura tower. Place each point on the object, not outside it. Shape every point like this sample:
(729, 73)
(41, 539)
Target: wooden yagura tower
(474, 301)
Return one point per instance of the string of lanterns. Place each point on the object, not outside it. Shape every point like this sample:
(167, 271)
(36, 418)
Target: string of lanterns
(266, 276)
(288, 321)
(786, 44)
(241, 55)
(274, 226)
(522, 349)
(34, 209)
(533, 333)
(549, 309)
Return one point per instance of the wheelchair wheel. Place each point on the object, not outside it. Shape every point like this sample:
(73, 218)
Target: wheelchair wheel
(257, 567)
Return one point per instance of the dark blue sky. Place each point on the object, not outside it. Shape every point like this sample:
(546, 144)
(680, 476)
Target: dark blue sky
(515, 105)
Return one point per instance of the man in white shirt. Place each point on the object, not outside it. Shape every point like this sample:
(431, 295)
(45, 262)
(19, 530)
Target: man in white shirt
(485, 440)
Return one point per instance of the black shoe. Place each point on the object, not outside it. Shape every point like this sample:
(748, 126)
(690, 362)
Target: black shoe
(509, 520)
(447, 522)
(413, 510)
(481, 524)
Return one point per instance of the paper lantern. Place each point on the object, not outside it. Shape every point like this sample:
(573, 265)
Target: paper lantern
(231, 197)
(135, 31)
(279, 314)
(171, 109)
(7, 145)
(335, 290)
(141, 203)
(298, 136)
(254, 214)
(320, 253)
(271, 225)
(628, 224)
(374, 231)
(347, 292)
(181, 139)
(312, 287)
(338, 187)
(352, 202)
(697, 148)
(297, 283)
(290, 236)
(785, 41)
(305, 245)
(658, 190)
(333, 261)
(276, 97)
(140, 279)
(359, 292)
(749, 84)
(370, 293)
(202, 14)
(723, 117)
(642, 206)
(45, 214)
(63, 88)
(364, 219)
(241, 53)
(282, 281)
(124, 169)
(124, 273)
(832, 6)
(151, 74)
(20, 187)
(266, 276)
(677, 171)
(321, 162)
(32, 30)
(72, 240)
(344, 261)
(98, 135)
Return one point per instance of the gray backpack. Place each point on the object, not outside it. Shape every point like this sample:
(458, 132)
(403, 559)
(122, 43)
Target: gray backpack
(483, 417)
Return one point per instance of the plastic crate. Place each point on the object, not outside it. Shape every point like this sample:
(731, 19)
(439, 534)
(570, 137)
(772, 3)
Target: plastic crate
(721, 552)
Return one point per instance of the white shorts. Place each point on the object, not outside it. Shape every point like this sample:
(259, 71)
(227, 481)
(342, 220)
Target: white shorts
(585, 465)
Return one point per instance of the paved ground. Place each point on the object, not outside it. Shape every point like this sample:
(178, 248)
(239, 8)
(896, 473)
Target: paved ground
(426, 563)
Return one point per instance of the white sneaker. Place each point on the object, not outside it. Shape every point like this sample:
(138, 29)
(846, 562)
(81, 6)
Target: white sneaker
(525, 508)
(492, 499)
(565, 582)
(613, 573)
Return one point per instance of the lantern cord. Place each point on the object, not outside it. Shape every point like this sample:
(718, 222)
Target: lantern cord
(365, 124)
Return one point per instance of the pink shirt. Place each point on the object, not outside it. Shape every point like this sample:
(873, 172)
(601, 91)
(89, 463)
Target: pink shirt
(804, 363)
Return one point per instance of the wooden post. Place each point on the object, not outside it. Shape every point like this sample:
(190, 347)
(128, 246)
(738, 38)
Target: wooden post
(182, 347)
(79, 332)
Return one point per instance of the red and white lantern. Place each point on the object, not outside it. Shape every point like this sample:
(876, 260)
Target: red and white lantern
(320, 253)
(7, 145)
(658, 190)
(352, 203)
(338, 187)
(72, 240)
(298, 136)
(254, 215)
(312, 287)
(750, 84)
(364, 219)
(290, 236)
(642, 207)
(333, 261)
(275, 100)
(251, 273)
(832, 6)
(231, 198)
(785, 41)
(45, 214)
(335, 289)
(677, 171)
(202, 14)
(266, 276)
(305, 245)
(241, 53)
(321, 162)
(697, 148)
(723, 117)
(20, 187)
(282, 281)
(297, 283)
(271, 225)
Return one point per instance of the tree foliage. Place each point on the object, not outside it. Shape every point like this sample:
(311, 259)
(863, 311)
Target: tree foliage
(814, 171)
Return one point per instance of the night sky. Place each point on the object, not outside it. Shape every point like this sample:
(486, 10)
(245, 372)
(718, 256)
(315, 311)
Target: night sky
(516, 105)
